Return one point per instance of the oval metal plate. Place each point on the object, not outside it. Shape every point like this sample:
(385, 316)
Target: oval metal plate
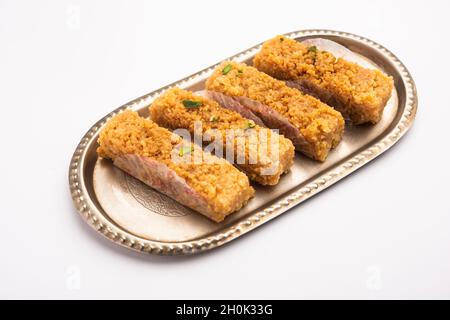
(135, 216)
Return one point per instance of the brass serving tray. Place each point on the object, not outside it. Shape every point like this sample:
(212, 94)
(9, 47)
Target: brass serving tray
(135, 216)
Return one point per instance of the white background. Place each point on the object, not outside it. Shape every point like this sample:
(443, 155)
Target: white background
(383, 232)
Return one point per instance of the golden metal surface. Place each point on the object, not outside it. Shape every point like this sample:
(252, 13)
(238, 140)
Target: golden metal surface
(133, 215)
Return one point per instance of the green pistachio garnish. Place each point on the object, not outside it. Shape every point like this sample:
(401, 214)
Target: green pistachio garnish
(312, 49)
(190, 104)
(185, 150)
(250, 124)
(214, 118)
(227, 69)
(313, 52)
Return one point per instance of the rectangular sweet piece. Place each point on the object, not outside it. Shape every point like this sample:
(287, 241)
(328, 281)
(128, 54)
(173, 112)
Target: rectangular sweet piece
(166, 162)
(264, 154)
(360, 94)
(312, 126)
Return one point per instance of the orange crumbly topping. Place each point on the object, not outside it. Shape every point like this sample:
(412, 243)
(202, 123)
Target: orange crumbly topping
(318, 123)
(169, 111)
(362, 93)
(216, 180)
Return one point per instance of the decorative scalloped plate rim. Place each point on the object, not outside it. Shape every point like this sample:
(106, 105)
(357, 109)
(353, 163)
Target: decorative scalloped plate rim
(95, 219)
